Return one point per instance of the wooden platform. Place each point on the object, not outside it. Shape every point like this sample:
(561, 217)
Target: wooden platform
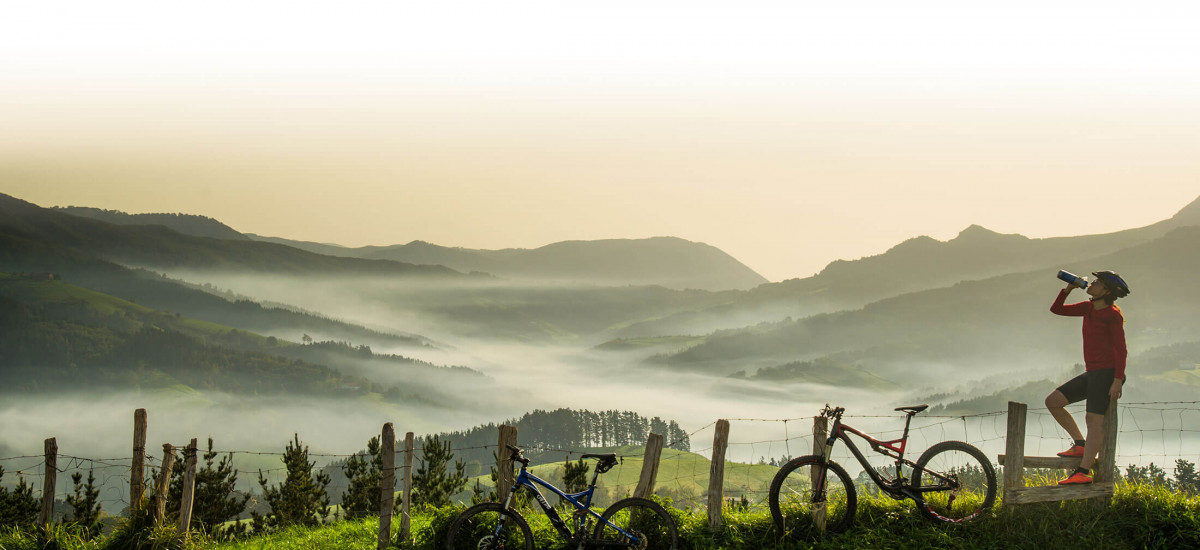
(1056, 462)
(1055, 493)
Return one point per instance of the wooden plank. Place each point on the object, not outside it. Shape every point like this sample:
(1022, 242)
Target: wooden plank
(163, 483)
(645, 486)
(1053, 462)
(716, 474)
(48, 485)
(1014, 447)
(189, 487)
(1054, 493)
(387, 485)
(137, 473)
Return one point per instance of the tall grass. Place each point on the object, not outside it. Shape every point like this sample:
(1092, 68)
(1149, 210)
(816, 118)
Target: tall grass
(1139, 516)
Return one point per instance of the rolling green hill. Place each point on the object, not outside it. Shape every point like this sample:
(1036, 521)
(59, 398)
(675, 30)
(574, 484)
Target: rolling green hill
(54, 335)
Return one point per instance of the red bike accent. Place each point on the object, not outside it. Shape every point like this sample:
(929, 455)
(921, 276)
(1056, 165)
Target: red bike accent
(891, 444)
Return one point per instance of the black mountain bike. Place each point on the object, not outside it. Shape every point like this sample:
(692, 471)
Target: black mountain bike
(634, 523)
(812, 496)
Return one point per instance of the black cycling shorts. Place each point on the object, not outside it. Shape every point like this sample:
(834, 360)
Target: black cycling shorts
(1092, 385)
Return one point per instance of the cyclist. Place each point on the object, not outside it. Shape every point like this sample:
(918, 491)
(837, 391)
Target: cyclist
(1104, 354)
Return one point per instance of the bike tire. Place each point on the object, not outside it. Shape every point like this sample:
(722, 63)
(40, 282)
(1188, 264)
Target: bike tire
(975, 482)
(796, 508)
(641, 516)
(473, 529)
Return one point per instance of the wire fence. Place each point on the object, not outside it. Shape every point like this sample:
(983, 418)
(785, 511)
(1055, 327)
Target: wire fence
(1160, 432)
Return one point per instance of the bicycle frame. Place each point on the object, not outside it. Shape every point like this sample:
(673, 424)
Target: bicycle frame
(530, 482)
(891, 449)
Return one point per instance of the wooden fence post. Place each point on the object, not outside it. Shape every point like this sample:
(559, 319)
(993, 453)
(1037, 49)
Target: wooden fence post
(387, 485)
(1106, 463)
(820, 435)
(406, 484)
(163, 483)
(48, 485)
(137, 487)
(716, 474)
(1014, 451)
(189, 487)
(645, 486)
(504, 465)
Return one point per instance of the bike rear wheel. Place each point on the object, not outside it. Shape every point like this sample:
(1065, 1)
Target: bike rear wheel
(811, 498)
(489, 526)
(645, 519)
(956, 480)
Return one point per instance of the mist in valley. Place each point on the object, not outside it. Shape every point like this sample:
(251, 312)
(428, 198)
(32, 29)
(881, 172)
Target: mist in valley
(460, 373)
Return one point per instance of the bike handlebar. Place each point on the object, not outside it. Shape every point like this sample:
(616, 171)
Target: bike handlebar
(834, 413)
(517, 454)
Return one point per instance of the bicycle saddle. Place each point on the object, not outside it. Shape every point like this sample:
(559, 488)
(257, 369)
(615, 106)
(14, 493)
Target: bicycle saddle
(913, 409)
(609, 457)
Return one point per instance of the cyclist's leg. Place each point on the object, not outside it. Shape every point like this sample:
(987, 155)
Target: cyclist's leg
(1074, 390)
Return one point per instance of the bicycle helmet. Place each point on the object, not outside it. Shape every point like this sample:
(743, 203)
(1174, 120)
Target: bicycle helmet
(1116, 285)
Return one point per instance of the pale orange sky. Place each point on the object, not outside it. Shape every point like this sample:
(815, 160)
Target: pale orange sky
(787, 135)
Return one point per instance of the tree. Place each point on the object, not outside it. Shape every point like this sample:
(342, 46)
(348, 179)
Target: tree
(433, 484)
(1186, 479)
(17, 507)
(575, 476)
(216, 499)
(1146, 474)
(364, 473)
(85, 508)
(301, 499)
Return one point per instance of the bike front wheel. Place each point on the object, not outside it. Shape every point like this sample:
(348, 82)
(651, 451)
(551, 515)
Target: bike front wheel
(956, 480)
(489, 526)
(811, 498)
(646, 526)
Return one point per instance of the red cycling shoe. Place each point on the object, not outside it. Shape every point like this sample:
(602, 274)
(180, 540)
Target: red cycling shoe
(1075, 451)
(1076, 479)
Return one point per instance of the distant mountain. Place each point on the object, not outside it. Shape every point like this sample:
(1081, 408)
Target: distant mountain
(920, 263)
(161, 247)
(1003, 320)
(188, 224)
(327, 249)
(666, 261)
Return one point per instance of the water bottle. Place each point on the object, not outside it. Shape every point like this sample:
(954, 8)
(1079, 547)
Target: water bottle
(1071, 278)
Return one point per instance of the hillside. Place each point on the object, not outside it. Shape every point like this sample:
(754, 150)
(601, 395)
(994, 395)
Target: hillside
(161, 247)
(911, 334)
(54, 335)
(188, 224)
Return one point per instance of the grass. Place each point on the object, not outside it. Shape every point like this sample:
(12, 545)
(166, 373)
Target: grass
(1140, 516)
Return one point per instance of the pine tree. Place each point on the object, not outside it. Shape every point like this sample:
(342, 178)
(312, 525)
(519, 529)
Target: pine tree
(301, 499)
(18, 508)
(575, 477)
(85, 508)
(365, 477)
(1186, 479)
(433, 484)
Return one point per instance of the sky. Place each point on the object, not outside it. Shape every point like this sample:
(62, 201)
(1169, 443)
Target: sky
(788, 134)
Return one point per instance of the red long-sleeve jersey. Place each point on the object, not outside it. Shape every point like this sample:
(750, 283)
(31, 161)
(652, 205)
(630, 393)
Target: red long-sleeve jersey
(1103, 333)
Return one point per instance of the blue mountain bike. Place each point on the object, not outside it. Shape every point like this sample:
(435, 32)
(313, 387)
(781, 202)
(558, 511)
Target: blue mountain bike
(633, 522)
